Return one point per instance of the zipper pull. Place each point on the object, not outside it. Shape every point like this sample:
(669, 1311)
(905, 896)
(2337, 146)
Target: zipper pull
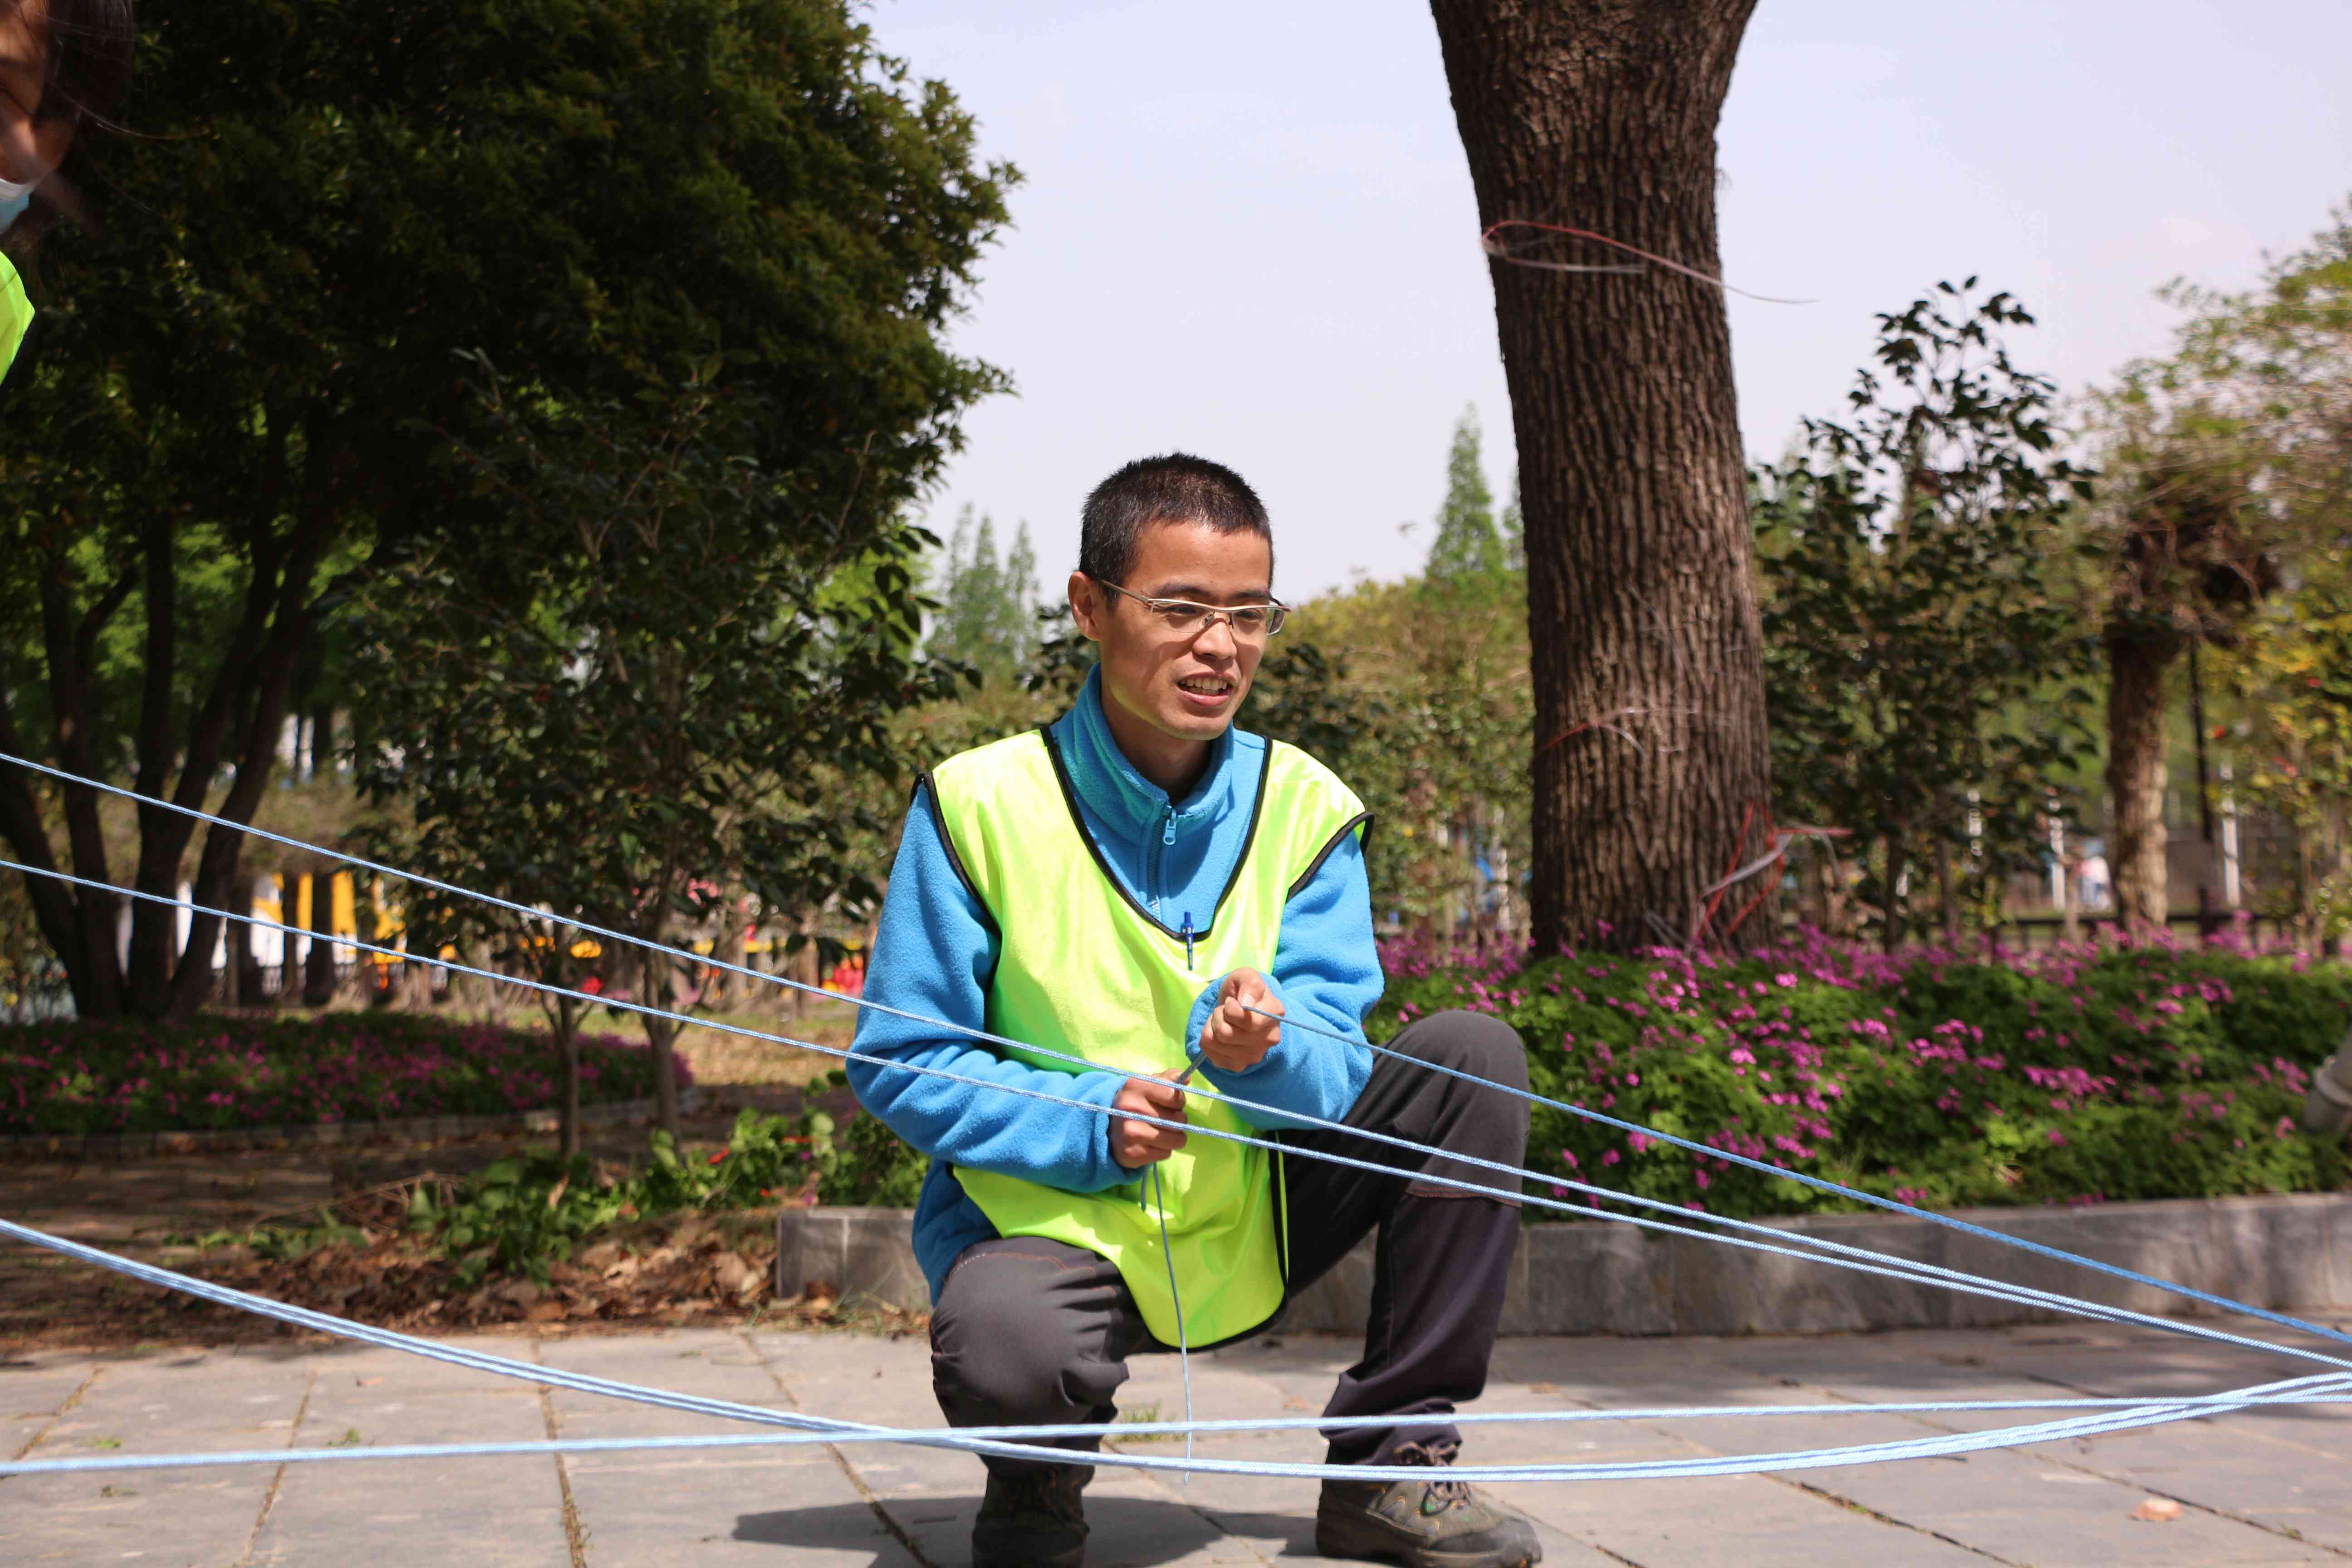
(1187, 942)
(1167, 828)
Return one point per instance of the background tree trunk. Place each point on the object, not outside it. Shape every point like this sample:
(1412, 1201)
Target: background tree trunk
(563, 1020)
(319, 966)
(1600, 114)
(2135, 776)
(659, 988)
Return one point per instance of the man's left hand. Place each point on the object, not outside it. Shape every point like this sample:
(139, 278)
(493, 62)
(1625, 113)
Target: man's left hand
(1234, 1038)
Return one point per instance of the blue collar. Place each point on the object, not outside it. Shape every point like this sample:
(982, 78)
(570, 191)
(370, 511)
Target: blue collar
(1123, 799)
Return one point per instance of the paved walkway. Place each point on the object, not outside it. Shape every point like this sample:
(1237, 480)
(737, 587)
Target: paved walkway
(2257, 1488)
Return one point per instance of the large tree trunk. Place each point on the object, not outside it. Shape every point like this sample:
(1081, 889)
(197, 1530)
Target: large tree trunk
(2135, 776)
(1651, 778)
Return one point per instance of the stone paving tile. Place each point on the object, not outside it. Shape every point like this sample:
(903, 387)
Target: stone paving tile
(502, 1512)
(2253, 1483)
(773, 1506)
(2268, 1470)
(32, 1392)
(192, 1401)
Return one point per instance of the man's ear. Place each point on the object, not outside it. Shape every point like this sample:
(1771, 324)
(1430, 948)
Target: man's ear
(1087, 605)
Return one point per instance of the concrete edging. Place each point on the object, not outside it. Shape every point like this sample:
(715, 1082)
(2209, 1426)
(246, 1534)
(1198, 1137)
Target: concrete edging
(85, 1146)
(2285, 1253)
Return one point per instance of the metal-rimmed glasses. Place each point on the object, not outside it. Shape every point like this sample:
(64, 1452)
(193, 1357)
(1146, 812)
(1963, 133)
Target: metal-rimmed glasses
(1251, 622)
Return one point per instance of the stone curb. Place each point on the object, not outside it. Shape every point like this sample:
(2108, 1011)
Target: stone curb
(88, 1146)
(2285, 1253)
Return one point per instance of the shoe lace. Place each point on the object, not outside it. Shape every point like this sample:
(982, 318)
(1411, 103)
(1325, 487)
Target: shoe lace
(1437, 1495)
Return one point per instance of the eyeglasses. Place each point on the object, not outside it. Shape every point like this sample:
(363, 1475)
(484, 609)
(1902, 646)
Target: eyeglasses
(1251, 622)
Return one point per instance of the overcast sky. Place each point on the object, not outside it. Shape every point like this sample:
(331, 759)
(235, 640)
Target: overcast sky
(1247, 229)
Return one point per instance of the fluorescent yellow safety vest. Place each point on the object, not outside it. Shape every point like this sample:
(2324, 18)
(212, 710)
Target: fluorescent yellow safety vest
(15, 313)
(1082, 967)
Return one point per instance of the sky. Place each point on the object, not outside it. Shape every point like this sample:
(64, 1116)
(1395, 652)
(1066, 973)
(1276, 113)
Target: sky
(1247, 230)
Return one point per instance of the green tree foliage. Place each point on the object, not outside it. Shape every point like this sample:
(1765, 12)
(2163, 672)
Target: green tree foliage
(988, 607)
(2291, 676)
(1431, 678)
(674, 708)
(227, 426)
(2229, 465)
(1468, 542)
(1923, 662)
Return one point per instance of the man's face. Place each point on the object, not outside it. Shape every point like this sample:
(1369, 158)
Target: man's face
(1187, 687)
(29, 146)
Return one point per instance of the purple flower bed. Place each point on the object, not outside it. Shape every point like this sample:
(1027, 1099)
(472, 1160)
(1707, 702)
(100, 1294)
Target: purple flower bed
(212, 1072)
(1937, 1078)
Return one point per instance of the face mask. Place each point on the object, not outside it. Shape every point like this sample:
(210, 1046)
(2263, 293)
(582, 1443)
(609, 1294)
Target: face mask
(14, 200)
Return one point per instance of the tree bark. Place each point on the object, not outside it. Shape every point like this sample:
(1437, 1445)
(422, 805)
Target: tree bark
(319, 966)
(2137, 665)
(1646, 642)
(661, 1035)
(1891, 898)
(564, 1023)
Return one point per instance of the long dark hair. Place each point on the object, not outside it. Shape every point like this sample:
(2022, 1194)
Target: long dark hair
(87, 65)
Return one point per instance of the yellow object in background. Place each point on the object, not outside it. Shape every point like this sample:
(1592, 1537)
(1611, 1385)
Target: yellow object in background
(342, 905)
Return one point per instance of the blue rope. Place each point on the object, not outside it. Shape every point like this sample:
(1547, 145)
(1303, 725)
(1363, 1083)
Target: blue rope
(2141, 1414)
(1184, 1349)
(2331, 1388)
(817, 1429)
(1834, 1254)
(1821, 1183)
(1938, 1273)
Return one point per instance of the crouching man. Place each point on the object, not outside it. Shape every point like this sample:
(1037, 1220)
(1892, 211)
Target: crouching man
(1126, 885)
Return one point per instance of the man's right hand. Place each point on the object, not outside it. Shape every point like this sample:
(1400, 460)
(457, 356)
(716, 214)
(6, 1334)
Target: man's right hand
(1134, 1145)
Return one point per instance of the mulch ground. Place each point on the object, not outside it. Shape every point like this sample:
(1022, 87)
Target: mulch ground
(703, 1270)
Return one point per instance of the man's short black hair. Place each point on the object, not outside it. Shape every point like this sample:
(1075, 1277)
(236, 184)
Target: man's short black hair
(1175, 488)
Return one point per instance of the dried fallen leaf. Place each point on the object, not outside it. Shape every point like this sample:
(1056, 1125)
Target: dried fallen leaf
(369, 1381)
(736, 1278)
(1294, 1405)
(2158, 1510)
(1541, 1388)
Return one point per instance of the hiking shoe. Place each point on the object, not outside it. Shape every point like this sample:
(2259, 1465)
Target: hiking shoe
(1033, 1520)
(1422, 1524)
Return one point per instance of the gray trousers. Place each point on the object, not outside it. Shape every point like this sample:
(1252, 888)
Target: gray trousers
(1027, 1331)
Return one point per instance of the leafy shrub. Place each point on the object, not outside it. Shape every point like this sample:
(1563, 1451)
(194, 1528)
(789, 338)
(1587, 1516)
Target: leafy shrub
(531, 1211)
(128, 1075)
(1929, 1076)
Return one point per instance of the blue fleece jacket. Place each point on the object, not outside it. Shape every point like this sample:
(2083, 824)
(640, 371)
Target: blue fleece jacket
(935, 953)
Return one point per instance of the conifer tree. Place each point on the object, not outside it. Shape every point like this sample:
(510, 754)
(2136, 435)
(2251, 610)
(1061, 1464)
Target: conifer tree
(987, 605)
(1468, 544)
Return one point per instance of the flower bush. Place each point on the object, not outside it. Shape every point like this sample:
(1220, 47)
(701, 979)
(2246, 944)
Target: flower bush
(1931, 1077)
(131, 1076)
